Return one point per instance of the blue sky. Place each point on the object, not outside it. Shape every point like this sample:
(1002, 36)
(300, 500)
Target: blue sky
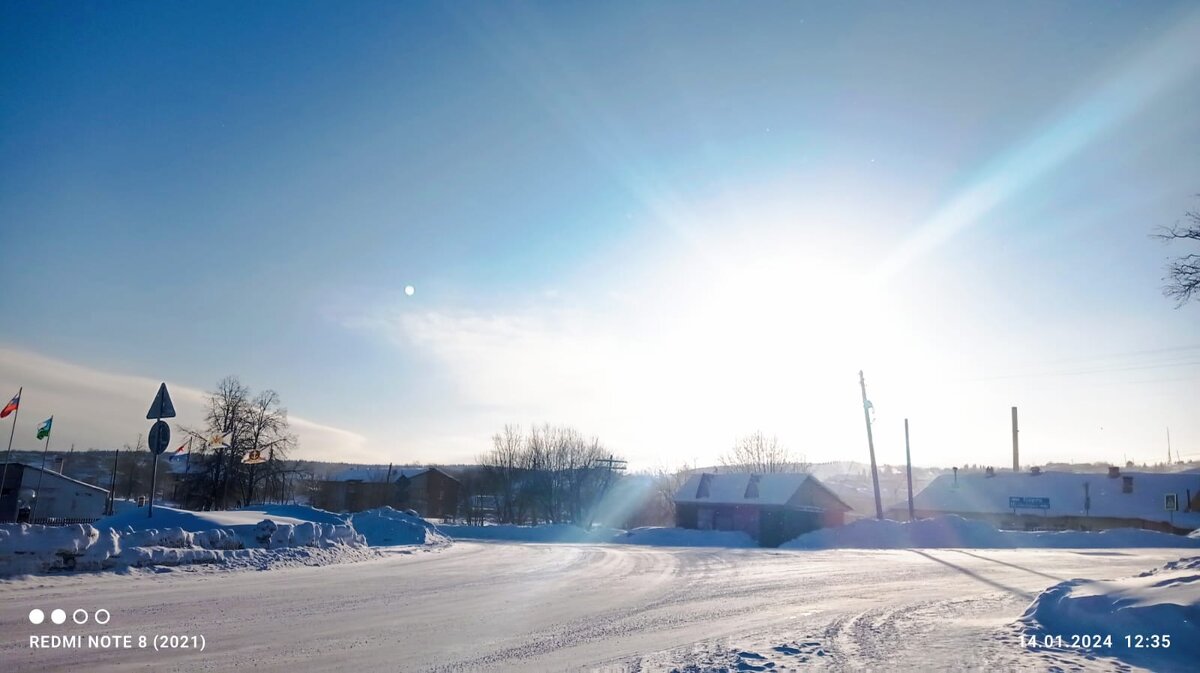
(666, 224)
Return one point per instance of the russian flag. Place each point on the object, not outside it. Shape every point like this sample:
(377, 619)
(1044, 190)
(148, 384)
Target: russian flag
(11, 406)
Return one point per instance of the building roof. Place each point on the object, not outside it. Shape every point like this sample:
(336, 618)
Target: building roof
(734, 488)
(60, 475)
(375, 473)
(980, 494)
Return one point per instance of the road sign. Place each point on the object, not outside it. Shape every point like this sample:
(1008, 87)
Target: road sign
(160, 437)
(161, 407)
(1015, 502)
(1171, 502)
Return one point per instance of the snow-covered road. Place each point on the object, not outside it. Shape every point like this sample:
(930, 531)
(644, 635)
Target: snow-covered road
(535, 607)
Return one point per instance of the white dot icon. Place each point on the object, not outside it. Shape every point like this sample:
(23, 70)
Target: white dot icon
(58, 616)
(36, 616)
(409, 290)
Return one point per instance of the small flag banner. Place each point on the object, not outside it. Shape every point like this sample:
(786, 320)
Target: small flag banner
(219, 441)
(181, 451)
(11, 406)
(253, 457)
(44, 429)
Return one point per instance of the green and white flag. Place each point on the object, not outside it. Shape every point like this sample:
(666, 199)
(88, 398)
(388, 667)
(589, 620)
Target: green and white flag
(44, 429)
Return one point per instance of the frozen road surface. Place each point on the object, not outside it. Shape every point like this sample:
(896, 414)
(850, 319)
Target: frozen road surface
(530, 607)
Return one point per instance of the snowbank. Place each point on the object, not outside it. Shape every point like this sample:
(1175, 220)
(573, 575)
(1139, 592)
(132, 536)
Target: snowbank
(651, 536)
(386, 526)
(683, 537)
(178, 537)
(168, 517)
(559, 532)
(954, 531)
(1135, 615)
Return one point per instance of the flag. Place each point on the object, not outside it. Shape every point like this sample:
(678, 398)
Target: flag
(44, 430)
(219, 440)
(181, 450)
(253, 457)
(11, 406)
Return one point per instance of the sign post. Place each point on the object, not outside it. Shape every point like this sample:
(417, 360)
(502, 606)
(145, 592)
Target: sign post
(160, 436)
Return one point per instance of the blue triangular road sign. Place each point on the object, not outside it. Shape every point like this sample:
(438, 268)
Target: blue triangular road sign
(161, 407)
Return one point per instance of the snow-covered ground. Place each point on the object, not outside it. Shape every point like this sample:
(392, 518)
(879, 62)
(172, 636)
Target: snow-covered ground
(957, 532)
(545, 607)
(650, 536)
(1152, 618)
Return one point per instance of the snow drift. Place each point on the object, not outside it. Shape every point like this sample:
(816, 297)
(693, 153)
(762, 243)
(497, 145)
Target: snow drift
(954, 531)
(1137, 614)
(386, 526)
(177, 537)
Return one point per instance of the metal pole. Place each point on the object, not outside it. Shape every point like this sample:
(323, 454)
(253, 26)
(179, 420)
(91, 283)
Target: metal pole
(112, 485)
(153, 481)
(908, 460)
(862, 382)
(33, 510)
(1016, 443)
(8, 458)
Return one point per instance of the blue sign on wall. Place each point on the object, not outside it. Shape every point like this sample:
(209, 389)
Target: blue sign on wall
(1028, 503)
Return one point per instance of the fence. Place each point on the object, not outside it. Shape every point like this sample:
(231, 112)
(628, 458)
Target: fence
(55, 521)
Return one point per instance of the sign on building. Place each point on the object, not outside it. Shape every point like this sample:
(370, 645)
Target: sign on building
(1015, 502)
(1171, 502)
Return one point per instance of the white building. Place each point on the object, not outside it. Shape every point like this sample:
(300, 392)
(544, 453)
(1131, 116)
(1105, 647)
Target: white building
(46, 494)
(1065, 500)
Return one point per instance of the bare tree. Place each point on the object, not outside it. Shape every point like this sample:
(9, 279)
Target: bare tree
(250, 424)
(502, 466)
(761, 454)
(552, 474)
(266, 432)
(1183, 273)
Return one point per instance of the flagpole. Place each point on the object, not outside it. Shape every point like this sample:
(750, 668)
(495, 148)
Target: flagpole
(8, 458)
(33, 510)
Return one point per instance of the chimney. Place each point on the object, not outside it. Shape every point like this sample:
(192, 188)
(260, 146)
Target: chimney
(1113, 471)
(1016, 450)
(1127, 484)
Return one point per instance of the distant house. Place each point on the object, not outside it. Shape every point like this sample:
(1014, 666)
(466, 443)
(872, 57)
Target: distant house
(58, 497)
(771, 508)
(429, 491)
(432, 493)
(1038, 500)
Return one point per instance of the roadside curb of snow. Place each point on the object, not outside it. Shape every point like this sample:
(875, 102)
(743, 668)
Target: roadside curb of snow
(27, 549)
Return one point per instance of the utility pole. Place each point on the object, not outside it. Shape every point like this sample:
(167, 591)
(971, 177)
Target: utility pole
(112, 484)
(1168, 445)
(1016, 452)
(908, 461)
(613, 465)
(867, 406)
